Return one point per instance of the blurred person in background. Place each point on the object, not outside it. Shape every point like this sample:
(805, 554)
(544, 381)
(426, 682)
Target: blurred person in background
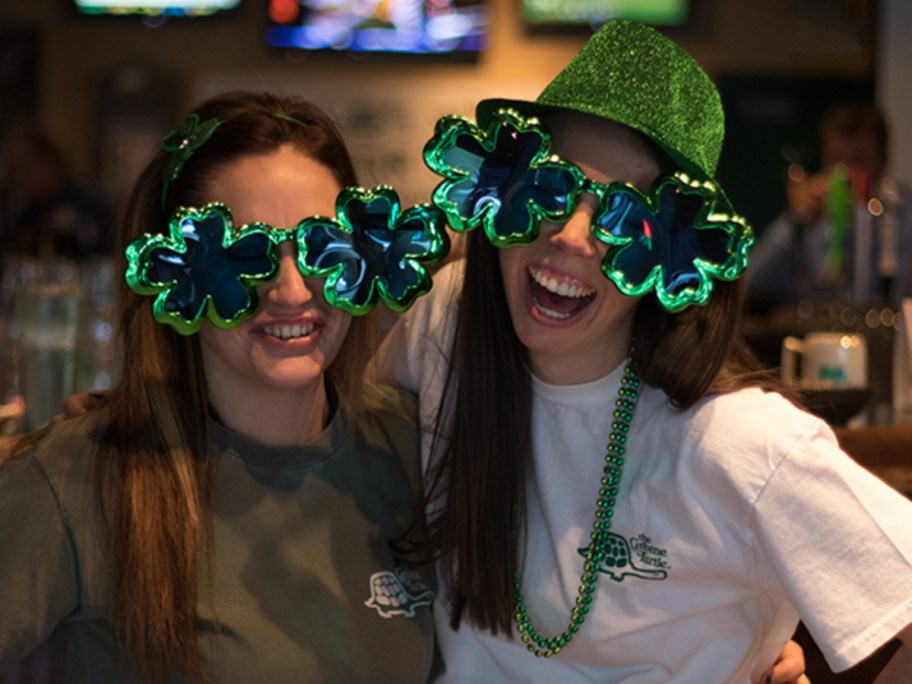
(846, 232)
(47, 211)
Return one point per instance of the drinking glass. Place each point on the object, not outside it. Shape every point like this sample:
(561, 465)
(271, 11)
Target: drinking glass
(48, 317)
(40, 300)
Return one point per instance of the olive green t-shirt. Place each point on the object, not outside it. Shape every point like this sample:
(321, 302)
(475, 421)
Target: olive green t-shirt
(305, 585)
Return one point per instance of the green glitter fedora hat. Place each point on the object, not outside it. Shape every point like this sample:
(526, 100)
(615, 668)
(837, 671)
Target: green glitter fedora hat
(631, 74)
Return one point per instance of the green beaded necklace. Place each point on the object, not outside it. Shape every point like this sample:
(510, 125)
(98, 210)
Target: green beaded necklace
(625, 407)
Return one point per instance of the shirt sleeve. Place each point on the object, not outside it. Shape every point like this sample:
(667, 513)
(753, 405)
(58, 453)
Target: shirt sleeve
(393, 362)
(837, 541)
(414, 352)
(38, 572)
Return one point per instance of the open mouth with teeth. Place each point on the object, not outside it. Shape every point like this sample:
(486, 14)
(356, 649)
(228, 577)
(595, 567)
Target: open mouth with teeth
(289, 332)
(558, 299)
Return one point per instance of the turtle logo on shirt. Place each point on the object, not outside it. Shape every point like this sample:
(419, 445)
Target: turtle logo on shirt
(615, 557)
(399, 592)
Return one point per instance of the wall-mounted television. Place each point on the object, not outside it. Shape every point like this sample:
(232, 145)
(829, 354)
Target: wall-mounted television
(594, 13)
(453, 28)
(155, 8)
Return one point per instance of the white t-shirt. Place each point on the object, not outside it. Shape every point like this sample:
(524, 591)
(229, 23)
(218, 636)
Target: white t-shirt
(739, 515)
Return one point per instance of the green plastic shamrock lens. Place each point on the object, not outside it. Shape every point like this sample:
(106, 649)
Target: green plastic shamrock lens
(502, 178)
(671, 241)
(202, 269)
(371, 250)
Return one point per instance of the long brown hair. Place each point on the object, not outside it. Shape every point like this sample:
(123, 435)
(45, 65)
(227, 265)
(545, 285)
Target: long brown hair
(484, 454)
(153, 473)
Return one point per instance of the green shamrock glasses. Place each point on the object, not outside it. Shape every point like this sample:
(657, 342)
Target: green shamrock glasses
(205, 268)
(504, 179)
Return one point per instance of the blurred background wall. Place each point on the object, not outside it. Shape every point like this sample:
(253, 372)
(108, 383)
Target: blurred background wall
(107, 88)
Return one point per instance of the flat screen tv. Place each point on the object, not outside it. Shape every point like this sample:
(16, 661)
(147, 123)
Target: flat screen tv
(155, 8)
(408, 27)
(594, 13)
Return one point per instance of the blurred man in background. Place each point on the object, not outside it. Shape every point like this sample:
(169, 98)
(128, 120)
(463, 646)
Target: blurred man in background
(846, 233)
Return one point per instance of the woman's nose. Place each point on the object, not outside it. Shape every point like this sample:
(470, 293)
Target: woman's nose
(574, 236)
(289, 287)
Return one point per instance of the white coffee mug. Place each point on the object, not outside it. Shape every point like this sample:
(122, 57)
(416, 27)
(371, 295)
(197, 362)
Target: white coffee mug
(827, 360)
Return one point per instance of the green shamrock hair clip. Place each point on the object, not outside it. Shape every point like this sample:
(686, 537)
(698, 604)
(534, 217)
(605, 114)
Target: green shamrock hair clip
(202, 269)
(181, 143)
(371, 251)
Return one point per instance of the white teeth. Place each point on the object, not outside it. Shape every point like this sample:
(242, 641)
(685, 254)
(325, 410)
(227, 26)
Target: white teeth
(562, 289)
(286, 332)
(557, 315)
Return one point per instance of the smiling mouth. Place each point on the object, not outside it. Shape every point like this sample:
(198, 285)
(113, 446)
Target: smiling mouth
(557, 299)
(289, 332)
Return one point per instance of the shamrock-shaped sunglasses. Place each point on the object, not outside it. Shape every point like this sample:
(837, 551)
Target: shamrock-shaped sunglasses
(207, 268)
(504, 178)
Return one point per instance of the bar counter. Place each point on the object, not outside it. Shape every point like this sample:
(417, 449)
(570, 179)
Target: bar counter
(885, 450)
